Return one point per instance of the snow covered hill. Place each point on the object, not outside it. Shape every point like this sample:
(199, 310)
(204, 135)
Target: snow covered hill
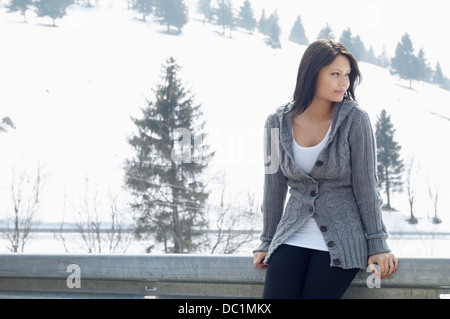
(71, 90)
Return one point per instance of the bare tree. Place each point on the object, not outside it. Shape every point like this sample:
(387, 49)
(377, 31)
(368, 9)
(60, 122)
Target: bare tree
(102, 232)
(60, 235)
(22, 215)
(433, 192)
(411, 172)
(235, 224)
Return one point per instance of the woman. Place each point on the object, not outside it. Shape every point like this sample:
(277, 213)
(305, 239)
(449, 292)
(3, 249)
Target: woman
(322, 149)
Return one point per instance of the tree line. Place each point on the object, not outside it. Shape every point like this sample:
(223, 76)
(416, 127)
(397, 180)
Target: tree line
(55, 9)
(174, 14)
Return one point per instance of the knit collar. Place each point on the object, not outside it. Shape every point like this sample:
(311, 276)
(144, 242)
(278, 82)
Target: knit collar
(342, 109)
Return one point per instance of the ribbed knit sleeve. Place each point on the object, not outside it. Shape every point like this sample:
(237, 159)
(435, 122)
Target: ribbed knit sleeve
(275, 183)
(364, 179)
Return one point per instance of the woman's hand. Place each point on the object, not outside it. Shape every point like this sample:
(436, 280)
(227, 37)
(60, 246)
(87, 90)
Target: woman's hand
(387, 264)
(258, 259)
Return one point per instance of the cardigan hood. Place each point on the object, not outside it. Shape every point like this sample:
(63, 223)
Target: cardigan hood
(284, 114)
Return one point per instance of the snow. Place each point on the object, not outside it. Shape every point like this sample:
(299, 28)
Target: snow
(71, 90)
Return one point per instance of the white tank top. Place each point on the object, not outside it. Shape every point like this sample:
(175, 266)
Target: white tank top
(309, 235)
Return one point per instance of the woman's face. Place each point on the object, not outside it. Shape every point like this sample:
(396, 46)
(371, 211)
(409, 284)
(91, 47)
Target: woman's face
(333, 80)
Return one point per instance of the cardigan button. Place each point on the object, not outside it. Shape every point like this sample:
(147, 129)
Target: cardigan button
(323, 228)
(313, 193)
(319, 163)
(331, 244)
(337, 261)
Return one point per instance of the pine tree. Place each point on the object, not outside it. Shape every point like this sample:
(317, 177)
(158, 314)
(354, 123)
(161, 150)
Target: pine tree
(438, 76)
(383, 59)
(423, 68)
(19, 5)
(164, 176)
(359, 50)
(204, 8)
(404, 63)
(390, 166)
(145, 7)
(247, 19)
(54, 9)
(225, 15)
(263, 26)
(370, 56)
(298, 33)
(273, 36)
(355, 46)
(172, 13)
(347, 40)
(326, 33)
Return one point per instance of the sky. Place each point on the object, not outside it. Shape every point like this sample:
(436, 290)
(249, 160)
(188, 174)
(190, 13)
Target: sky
(379, 23)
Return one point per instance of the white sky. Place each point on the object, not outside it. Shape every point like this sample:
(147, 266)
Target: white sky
(377, 22)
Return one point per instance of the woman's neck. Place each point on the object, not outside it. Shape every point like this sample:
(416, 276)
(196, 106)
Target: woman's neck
(319, 111)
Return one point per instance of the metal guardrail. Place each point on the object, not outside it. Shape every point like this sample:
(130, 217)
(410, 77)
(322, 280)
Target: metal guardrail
(189, 276)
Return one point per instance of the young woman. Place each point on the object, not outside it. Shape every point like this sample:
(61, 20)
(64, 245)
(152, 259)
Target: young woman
(323, 150)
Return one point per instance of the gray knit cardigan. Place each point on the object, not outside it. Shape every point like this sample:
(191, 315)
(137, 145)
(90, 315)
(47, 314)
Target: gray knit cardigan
(340, 193)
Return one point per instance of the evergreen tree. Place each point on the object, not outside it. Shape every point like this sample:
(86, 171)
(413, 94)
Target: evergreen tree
(273, 36)
(172, 13)
(204, 8)
(390, 166)
(298, 33)
(383, 59)
(347, 40)
(438, 76)
(370, 56)
(19, 5)
(359, 50)
(263, 25)
(55, 9)
(145, 7)
(225, 15)
(326, 33)
(247, 19)
(404, 63)
(167, 187)
(355, 46)
(423, 68)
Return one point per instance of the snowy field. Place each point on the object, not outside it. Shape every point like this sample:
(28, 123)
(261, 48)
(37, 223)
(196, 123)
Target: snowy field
(71, 90)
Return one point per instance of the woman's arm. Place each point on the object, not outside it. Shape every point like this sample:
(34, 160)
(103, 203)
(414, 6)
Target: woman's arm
(365, 183)
(275, 186)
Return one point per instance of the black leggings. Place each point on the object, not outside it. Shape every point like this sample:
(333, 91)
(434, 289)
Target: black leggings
(296, 272)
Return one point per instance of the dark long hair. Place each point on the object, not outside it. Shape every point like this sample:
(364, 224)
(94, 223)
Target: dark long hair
(318, 55)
